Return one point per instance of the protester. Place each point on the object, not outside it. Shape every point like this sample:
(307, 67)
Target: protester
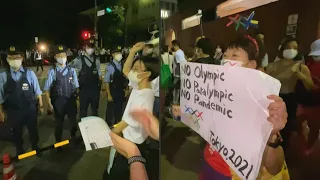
(204, 51)
(218, 53)
(248, 52)
(140, 71)
(310, 110)
(167, 58)
(129, 150)
(288, 71)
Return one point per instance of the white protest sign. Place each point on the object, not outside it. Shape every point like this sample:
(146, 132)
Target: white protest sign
(227, 106)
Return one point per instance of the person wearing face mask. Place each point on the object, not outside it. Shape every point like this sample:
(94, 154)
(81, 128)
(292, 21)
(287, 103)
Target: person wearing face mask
(141, 71)
(61, 93)
(288, 71)
(249, 52)
(218, 54)
(90, 79)
(204, 52)
(19, 97)
(116, 84)
(310, 111)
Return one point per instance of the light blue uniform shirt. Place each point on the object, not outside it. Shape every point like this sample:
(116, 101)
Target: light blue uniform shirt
(77, 63)
(110, 70)
(52, 77)
(31, 77)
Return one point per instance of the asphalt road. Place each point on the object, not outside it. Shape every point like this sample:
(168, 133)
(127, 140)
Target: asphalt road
(74, 163)
(182, 152)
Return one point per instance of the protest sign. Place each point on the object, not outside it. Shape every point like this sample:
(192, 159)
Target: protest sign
(227, 106)
(226, 62)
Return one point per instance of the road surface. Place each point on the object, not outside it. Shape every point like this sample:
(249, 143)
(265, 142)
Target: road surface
(72, 164)
(182, 152)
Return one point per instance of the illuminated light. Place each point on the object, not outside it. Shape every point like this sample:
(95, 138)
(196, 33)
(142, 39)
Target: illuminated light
(109, 10)
(164, 13)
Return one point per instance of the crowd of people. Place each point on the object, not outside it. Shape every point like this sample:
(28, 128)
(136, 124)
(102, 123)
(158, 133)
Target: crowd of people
(131, 78)
(297, 102)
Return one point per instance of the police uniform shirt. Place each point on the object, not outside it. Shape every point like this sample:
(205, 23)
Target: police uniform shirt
(52, 77)
(16, 75)
(77, 63)
(110, 71)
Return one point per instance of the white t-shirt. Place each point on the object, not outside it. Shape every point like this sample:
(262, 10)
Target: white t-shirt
(180, 57)
(265, 61)
(168, 59)
(155, 86)
(143, 98)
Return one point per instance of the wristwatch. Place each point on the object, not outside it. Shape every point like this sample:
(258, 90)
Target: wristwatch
(277, 142)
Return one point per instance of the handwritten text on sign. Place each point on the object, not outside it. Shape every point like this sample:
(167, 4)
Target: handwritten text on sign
(227, 106)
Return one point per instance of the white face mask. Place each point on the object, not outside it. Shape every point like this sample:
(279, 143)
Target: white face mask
(15, 63)
(62, 60)
(316, 58)
(133, 77)
(218, 50)
(90, 51)
(118, 57)
(290, 53)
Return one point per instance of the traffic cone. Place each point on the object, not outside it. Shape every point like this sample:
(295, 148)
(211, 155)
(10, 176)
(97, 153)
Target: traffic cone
(8, 168)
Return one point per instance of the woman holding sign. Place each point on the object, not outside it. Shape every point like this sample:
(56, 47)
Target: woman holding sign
(250, 53)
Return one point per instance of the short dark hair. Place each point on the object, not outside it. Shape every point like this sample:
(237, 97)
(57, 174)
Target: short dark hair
(149, 46)
(165, 48)
(286, 41)
(175, 43)
(152, 64)
(206, 46)
(247, 43)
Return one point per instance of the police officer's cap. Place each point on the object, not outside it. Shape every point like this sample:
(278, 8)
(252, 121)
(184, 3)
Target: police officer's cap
(89, 42)
(117, 49)
(14, 51)
(60, 49)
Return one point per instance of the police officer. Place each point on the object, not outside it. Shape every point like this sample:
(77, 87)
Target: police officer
(61, 92)
(116, 84)
(89, 79)
(20, 92)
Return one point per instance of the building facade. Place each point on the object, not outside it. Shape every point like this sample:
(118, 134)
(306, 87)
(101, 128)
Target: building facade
(273, 22)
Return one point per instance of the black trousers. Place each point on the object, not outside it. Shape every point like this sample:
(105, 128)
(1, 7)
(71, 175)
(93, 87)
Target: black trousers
(120, 169)
(39, 64)
(65, 106)
(17, 119)
(89, 96)
(115, 108)
(291, 103)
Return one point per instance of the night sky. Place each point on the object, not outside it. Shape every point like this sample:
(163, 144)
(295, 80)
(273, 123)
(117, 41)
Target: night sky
(54, 21)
